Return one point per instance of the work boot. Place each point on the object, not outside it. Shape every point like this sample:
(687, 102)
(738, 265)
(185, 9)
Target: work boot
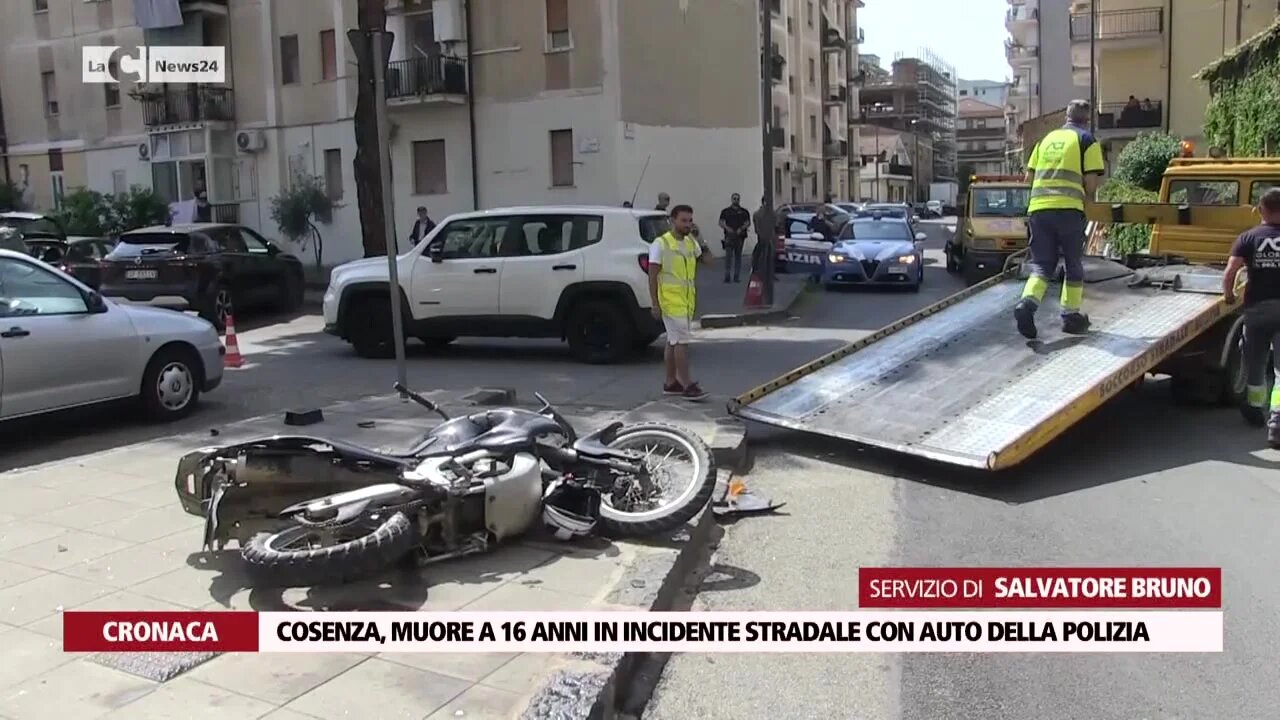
(1273, 432)
(1024, 313)
(1075, 323)
(1254, 415)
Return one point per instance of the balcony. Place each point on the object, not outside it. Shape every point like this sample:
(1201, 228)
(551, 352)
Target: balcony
(836, 95)
(189, 105)
(434, 77)
(835, 149)
(1020, 15)
(778, 68)
(1122, 116)
(778, 137)
(1131, 27)
(833, 40)
(225, 213)
(1019, 54)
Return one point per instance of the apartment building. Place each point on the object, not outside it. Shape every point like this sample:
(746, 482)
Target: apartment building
(980, 137)
(1040, 52)
(991, 92)
(813, 71)
(1146, 54)
(918, 96)
(891, 164)
(492, 102)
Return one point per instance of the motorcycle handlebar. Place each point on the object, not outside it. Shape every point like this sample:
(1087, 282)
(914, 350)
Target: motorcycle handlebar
(406, 392)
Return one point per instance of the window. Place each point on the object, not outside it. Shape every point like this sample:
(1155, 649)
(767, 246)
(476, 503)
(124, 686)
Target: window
(813, 128)
(252, 240)
(777, 180)
(808, 13)
(57, 188)
(49, 84)
(471, 238)
(813, 75)
(429, 168)
(55, 160)
(328, 56)
(777, 116)
(653, 227)
(229, 240)
(1259, 187)
(289, 70)
(558, 25)
(119, 182)
(813, 184)
(791, 83)
(561, 158)
(555, 234)
(29, 290)
(964, 92)
(1204, 192)
(111, 91)
(333, 173)
(41, 5)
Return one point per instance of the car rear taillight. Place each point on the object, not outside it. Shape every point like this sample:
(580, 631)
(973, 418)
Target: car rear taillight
(644, 262)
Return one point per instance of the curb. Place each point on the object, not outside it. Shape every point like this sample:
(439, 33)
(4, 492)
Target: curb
(755, 317)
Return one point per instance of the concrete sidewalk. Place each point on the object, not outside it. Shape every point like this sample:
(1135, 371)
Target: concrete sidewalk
(105, 532)
(721, 304)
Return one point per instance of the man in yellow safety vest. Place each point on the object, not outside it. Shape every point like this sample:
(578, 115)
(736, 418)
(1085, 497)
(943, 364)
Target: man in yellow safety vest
(673, 267)
(1064, 169)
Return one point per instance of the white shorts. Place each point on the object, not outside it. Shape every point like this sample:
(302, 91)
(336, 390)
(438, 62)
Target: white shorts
(679, 330)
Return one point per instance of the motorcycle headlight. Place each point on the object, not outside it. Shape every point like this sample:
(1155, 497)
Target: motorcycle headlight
(908, 259)
(837, 258)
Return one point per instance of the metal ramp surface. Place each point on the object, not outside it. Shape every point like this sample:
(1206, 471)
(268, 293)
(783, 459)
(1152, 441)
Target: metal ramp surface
(956, 382)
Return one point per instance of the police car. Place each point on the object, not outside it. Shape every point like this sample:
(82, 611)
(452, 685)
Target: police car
(804, 249)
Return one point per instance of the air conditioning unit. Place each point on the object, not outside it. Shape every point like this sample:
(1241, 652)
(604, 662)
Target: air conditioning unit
(250, 141)
(144, 151)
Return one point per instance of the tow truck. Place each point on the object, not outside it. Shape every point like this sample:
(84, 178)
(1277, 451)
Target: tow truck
(992, 226)
(955, 383)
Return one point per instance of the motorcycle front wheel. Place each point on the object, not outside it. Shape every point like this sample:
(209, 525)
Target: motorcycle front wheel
(304, 555)
(682, 474)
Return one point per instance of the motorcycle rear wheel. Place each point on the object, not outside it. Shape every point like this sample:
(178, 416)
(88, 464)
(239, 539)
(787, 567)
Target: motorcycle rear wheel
(363, 549)
(650, 438)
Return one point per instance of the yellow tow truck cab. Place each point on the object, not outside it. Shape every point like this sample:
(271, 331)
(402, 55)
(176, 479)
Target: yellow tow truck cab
(992, 226)
(1210, 182)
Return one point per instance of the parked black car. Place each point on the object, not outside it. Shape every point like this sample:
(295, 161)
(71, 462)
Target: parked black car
(80, 257)
(206, 267)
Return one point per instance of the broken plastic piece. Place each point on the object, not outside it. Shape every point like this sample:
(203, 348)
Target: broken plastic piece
(303, 417)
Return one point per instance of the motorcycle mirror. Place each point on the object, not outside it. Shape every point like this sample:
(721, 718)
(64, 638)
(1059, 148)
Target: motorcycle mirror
(545, 403)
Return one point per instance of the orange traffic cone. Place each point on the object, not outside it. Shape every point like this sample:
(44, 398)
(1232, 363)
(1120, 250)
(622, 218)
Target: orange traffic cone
(755, 292)
(233, 358)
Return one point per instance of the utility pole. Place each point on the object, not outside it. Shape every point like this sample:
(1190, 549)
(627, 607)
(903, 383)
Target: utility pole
(877, 188)
(1093, 69)
(766, 131)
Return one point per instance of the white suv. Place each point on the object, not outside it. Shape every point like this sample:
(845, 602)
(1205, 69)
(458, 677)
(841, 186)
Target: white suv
(579, 273)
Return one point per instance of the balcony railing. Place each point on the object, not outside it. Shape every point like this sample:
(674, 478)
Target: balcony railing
(194, 103)
(226, 213)
(778, 137)
(1125, 115)
(836, 94)
(778, 68)
(1120, 24)
(835, 149)
(431, 75)
(1021, 14)
(832, 40)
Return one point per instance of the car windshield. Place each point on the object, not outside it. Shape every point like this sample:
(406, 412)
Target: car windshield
(876, 230)
(894, 211)
(798, 224)
(40, 225)
(48, 251)
(142, 244)
(1001, 202)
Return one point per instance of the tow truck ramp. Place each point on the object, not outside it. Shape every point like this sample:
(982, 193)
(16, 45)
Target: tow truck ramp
(956, 383)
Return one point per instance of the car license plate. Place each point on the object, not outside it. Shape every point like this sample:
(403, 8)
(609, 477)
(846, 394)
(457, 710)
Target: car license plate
(898, 269)
(141, 274)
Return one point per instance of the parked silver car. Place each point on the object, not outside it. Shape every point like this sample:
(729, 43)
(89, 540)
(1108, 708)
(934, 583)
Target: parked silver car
(63, 345)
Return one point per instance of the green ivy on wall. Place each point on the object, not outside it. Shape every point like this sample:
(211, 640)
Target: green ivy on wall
(1243, 115)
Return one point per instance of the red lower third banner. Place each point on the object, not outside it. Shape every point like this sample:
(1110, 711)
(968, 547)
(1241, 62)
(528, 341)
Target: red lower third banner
(160, 631)
(1083, 588)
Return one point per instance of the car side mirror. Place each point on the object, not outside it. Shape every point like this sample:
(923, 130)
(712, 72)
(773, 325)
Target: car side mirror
(273, 249)
(921, 237)
(95, 302)
(436, 253)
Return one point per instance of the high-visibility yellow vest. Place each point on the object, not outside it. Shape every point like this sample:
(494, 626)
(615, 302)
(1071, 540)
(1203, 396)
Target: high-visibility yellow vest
(1058, 182)
(676, 291)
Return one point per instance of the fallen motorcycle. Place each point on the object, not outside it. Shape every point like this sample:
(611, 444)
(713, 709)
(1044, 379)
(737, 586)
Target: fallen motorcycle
(309, 511)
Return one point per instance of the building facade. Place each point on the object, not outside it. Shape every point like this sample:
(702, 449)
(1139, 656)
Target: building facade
(1040, 52)
(1146, 55)
(814, 42)
(991, 92)
(492, 103)
(917, 96)
(980, 137)
(891, 163)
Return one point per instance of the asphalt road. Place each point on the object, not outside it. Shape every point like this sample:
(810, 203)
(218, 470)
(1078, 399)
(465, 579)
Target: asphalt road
(1143, 482)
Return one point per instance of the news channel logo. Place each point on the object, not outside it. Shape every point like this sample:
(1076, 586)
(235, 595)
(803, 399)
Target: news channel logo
(155, 64)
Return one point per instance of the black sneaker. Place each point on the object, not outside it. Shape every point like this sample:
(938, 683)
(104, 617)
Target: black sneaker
(1075, 323)
(1024, 313)
(1273, 436)
(1254, 415)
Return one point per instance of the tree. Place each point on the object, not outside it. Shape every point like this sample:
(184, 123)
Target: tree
(371, 16)
(87, 212)
(84, 212)
(295, 209)
(140, 207)
(1143, 161)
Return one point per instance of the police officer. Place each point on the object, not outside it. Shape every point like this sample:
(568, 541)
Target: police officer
(1258, 252)
(1065, 169)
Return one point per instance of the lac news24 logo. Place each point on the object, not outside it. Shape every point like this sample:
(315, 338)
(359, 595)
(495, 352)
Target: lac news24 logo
(156, 64)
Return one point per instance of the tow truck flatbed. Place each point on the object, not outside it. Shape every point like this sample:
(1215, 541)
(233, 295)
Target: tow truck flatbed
(956, 383)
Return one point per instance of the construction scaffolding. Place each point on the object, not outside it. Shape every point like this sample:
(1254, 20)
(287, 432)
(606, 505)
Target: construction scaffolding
(918, 96)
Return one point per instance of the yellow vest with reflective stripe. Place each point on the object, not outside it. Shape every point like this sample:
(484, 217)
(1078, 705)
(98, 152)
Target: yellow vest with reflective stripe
(676, 292)
(1058, 183)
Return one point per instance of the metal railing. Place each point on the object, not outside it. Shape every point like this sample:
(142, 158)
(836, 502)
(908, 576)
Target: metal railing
(833, 39)
(835, 149)
(836, 94)
(194, 103)
(226, 213)
(779, 67)
(1148, 114)
(431, 75)
(778, 137)
(1021, 13)
(1119, 24)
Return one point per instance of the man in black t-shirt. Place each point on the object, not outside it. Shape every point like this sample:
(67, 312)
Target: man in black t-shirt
(735, 221)
(1257, 251)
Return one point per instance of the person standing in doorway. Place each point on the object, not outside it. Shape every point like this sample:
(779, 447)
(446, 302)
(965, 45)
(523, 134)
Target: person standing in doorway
(673, 267)
(422, 226)
(1064, 169)
(203, 210)
(664, 201)
(1257, 251)
(734, 221)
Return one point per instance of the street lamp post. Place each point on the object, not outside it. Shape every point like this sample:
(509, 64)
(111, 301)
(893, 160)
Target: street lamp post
(766, 255)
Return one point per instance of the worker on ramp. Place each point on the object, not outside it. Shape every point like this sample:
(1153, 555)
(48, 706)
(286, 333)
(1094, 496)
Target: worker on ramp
(1065, 168)
(1258, 252)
